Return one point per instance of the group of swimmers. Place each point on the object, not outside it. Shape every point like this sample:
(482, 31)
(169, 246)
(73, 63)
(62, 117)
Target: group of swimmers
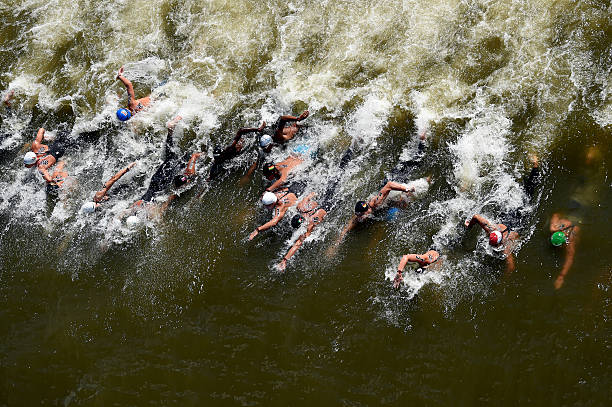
(177, 171)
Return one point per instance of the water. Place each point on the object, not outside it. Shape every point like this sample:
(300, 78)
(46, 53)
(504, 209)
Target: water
(186, 311)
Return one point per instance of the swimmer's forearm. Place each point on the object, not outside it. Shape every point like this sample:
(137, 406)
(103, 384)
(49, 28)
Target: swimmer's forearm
(402, 264)
(40, 135)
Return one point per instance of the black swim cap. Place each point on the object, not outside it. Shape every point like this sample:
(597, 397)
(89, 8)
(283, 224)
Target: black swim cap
(180, 180)
(297, 221)
(217, 152)
(270, 169)
(361, 207)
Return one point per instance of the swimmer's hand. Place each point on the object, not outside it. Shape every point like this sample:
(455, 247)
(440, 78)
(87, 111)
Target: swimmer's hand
(253, 234)
(129, 167)
(172, 123)
(282, 265)
(398, 280)
(303, 115)
(120, 73)
(331, 251)
(262, 127)
(559, 282)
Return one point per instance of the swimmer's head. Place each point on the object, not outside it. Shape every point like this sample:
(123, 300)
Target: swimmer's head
(132, 221)
(270, 171)
(123, 114)
(297, 221)
(268, 199)
(89, 207)
(29, 159)
(180, 180)
(495, 238)
(558, 238)
(265, 141)
(361, 207)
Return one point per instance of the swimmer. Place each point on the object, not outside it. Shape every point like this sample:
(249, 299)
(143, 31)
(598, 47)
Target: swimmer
(501, 237)
(279, 201)
(134, 105)
(310, 212)
(166, 174)
(101, 196)
(365, 209)
(280, 171)
(59, 177)
(231, 151)
(284, 133)
(44, 157)
(423, 260)
(564, 233)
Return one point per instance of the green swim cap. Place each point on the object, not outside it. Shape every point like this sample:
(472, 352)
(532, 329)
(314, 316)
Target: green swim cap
(558, 238)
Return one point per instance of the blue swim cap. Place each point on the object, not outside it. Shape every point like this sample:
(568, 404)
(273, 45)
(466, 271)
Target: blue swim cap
(123, 114)
(392, 214)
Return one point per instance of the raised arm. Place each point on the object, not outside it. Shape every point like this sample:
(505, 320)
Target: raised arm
(191, 164)
(101, 194)
(400, 268)
(246, 130)
(129, 87)
(384, 193)
(570, 252)
(482, 222)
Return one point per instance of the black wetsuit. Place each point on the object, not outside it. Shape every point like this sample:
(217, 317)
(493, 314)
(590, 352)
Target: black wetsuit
(532, 182)
(166, 172)
(402, 172)
(219, 159)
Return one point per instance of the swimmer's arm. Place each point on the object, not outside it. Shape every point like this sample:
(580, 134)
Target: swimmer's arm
(274, 221)
(191, 166)
(296, 246)
(45, 174)
(108, 184)
(246, 130)
(38, 140)
(400, 268)
(570, 252)
(129, 87)
(277, 183)
(350, 226)
(483, 222)
(384, 193)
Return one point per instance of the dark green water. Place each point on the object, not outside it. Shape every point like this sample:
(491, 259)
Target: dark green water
(186, 311)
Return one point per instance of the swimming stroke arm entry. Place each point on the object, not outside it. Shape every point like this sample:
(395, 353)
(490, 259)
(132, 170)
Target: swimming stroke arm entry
(298, 243)
(101, 194)
(482, 222)
(281, 213)
(129, 87)
(570, 252)
(191, 165)
(384, 193)
(246, 130)
(400, 268)
(278, 182)
(38, 140)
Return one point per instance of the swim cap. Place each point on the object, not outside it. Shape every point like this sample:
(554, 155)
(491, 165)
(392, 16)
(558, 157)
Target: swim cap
(180, 180)
(268, 198)
(123, 114)
(132, 221)
(270, 169)
(297, 221)
(217, 152)
(29, 158)
(495, 238)
(265, 141)
(361, 207)
(558, 238)
(89, 207)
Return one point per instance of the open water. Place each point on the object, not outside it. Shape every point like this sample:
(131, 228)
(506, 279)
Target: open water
(186, 311)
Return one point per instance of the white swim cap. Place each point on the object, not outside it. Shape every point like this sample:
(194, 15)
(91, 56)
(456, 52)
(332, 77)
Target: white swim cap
(29, 158)
(132, 221)
(268, 198)
(88, 207)
(265, 141)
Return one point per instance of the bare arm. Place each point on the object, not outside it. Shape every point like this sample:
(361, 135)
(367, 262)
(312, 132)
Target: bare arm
(191, 165)
(570, 252)
(128, 86)
(278, 183)
(384, 193)
(400, 268)
(108, 184)
(298, 243)
(482, 222)
(271, 223)
(45, 174)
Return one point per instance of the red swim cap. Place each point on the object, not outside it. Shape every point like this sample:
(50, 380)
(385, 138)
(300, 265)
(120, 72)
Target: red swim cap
(495, 238)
